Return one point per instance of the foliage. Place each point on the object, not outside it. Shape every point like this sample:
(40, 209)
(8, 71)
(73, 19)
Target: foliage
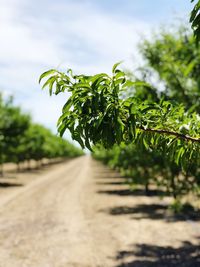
(12, 124)
(174, 58)
(142, 162)
(195, 19)
(97, 113)
(134, 127)
(20, 139)
(147, 167)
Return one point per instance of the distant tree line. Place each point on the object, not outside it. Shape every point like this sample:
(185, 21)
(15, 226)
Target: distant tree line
(22, 140)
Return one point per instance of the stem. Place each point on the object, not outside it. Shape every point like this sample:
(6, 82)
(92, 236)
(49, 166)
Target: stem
(168, 132)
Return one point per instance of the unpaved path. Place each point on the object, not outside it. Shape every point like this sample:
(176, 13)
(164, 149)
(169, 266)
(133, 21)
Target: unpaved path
(80, 214)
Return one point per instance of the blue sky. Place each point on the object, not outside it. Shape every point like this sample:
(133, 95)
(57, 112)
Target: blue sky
(87, 36)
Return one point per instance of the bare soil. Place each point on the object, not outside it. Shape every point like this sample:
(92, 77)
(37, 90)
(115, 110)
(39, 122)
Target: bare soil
(81, 214)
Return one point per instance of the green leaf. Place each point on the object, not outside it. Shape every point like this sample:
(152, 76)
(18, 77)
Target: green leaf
(76, 136)
(62, 128)
(115, 66)
(49, 83)
(47, 73)
(141, 83)
(145, 143)
(128, 83)
(119, 74)
(82, 85)
(67, 105)
(179, 155)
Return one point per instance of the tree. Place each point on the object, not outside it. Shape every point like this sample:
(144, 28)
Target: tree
(13, 124)
(21, 140)
(195, 20)
(96, 111)
(174, 58)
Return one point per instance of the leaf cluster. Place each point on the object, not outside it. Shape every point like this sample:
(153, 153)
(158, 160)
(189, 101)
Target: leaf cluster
(95, 113)
(195, 19)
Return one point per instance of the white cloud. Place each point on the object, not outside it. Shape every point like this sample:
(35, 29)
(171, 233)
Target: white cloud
(18, 43)
(35, 37)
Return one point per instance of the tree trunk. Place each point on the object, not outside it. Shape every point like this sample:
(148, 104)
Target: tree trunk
(18, 167)
(28, 164)
(173, 186)
(1, 170)
(147, 192)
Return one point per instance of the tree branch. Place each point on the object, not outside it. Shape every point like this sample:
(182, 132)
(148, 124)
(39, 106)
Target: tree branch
(168, 132)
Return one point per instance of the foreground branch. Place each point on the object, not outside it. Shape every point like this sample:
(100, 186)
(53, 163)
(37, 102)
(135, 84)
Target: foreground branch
(168, 132)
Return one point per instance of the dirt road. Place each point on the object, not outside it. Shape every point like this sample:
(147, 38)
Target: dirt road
(80, 214)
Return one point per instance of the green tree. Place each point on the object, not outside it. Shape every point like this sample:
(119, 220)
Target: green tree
(95, 113)
(174, 58)
(195, 19)
(13, 124)
(21, 140)
(101, 112)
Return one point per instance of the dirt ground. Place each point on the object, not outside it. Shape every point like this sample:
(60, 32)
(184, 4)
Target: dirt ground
(81, 214)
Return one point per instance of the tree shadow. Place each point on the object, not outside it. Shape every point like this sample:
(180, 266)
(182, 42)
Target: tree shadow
(32, 170)
(107, 176)
(121, 192)
(9, 184)
(155, 212)
(187, 255)
(135, 192)
(7, 176)
(112, 183)
(36, 168)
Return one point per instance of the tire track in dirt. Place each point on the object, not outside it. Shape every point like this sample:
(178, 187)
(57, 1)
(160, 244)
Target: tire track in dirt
(81, 214)
(43, 224)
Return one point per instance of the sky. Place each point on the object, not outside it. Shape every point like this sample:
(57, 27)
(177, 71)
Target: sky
(88, 36)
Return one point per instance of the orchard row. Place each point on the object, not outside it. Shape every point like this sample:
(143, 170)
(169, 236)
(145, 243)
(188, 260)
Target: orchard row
(22, 140)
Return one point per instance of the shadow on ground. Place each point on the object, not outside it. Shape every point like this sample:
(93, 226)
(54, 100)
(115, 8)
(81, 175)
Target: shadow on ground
(136, 192)
(108, 176)
(112, 183)
(34, 170)
(8, 184)
(187, 255)
(154, 212)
